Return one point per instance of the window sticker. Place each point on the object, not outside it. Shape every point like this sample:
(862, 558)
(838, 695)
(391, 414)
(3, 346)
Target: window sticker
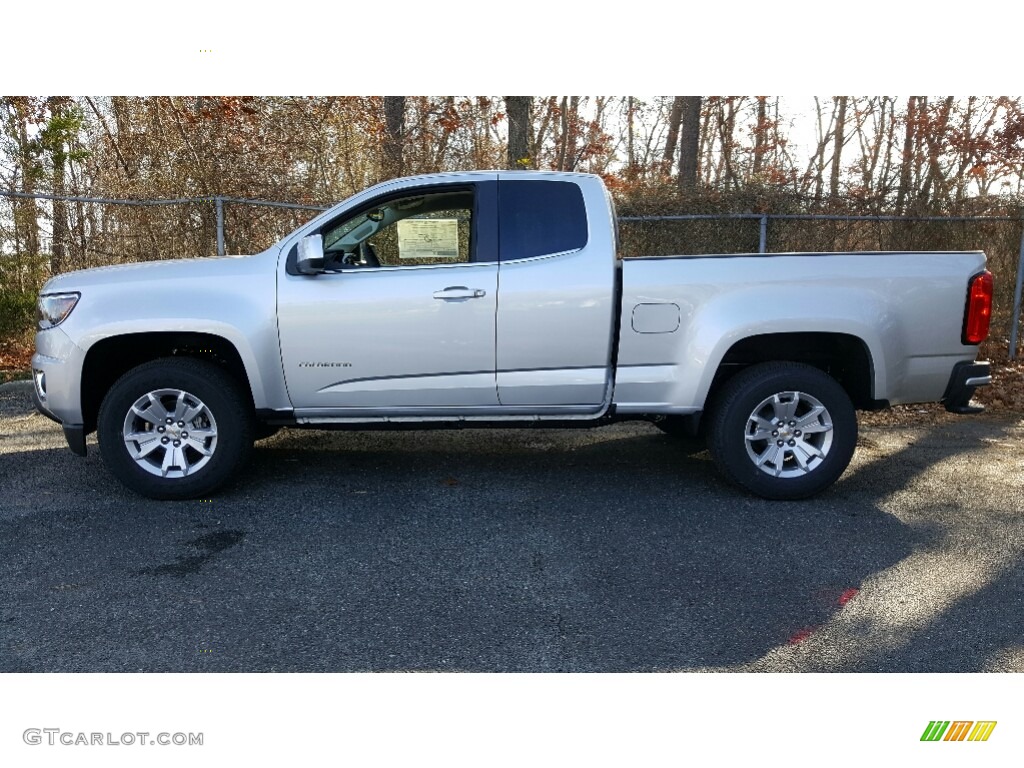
(428, 239)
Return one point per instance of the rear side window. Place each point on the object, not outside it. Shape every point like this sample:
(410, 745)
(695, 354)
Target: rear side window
(539, 218)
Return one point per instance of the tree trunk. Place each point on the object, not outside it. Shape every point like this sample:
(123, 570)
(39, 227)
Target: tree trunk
(908, 153)
(837, 148)
(519, 109)
(934, 139)
(817, 163)
(550, 108)
(726, 132)
(26, 209)
(690, 142)
(394, 140)
(760, 140)
(883, 187)
(705, 147)
(630, 153)
(571, 142)
(58, 247)
(450, 123)
(563, 141)
(675, 119)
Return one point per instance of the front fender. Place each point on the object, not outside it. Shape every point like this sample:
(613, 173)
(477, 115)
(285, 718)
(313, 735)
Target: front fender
(257, 348)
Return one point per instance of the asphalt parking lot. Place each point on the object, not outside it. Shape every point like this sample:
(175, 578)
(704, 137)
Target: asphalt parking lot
(612, 549)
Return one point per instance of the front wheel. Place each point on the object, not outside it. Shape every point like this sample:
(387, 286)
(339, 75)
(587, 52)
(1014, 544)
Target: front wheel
(782, 430)
(174, 428)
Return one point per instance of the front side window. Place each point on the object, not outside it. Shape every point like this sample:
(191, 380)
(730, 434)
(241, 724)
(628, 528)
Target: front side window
(418, 229)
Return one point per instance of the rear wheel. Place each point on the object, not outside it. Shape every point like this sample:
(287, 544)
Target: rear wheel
(782, 430)
(175, 428)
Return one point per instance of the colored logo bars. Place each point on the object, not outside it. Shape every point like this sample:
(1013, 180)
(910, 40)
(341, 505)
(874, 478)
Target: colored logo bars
(958, 730)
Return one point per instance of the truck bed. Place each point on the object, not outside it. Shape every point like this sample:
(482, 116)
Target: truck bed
(682, 314)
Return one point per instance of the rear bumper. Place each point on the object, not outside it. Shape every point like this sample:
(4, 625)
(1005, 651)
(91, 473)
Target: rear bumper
(966, 377)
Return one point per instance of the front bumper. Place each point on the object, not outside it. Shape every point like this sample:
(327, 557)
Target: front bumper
(73, 433)
(966, 377)
(56, 384)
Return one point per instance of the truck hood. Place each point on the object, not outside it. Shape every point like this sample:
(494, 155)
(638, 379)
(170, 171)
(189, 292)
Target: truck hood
(162, 272)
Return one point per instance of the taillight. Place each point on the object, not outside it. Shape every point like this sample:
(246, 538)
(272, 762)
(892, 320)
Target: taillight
(978, 314)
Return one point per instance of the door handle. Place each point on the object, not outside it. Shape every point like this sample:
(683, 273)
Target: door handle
(455, 292)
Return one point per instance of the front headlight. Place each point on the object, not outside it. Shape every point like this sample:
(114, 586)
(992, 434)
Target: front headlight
(55, 307)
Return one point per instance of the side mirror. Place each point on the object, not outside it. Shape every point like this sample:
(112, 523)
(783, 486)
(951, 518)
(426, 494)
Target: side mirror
(310, 259)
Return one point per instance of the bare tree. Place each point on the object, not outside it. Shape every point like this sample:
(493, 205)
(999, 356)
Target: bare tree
(571, 137)
(519, 110)
(837, 147)
(906, 164)
(675, 119)
(760, 134)
(26, 211)
(690, 142)
(394, 136)
(815, 173)
(55, 140)
(934, 137)
(873, 125)
(630, 150)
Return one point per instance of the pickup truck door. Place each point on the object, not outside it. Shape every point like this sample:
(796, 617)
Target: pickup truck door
(556, 312)
(404, 323)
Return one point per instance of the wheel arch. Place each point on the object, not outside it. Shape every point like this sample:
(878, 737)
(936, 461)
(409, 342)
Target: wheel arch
(110, 358)
(845, 357)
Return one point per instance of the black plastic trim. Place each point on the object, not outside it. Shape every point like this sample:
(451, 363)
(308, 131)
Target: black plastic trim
(276, 418)
(407, 426)
(689, 423)
(75, 435)
(958, 395)
(613, 363)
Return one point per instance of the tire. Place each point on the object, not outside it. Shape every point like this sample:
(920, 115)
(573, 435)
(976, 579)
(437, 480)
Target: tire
(210, 441)
(745, 431)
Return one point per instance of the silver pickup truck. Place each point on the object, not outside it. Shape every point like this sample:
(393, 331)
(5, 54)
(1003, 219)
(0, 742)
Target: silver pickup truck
(498, 299)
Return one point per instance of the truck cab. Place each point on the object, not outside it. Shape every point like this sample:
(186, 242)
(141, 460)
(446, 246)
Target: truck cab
(479, 295)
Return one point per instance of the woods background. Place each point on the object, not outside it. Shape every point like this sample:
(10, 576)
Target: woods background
(912, 157)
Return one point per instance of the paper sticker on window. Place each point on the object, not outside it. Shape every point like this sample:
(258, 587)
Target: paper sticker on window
(428, 239)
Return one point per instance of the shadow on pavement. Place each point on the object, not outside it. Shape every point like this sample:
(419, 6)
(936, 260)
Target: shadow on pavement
(518, 550)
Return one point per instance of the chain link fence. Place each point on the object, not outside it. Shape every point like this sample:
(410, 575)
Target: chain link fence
(1000, 237)
(100, 232)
